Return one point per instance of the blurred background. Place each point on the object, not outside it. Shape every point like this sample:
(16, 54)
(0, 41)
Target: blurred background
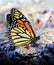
(40, 14)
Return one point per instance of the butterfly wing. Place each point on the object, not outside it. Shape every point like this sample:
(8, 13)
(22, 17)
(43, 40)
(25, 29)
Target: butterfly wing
(22, 20)
(20, 30)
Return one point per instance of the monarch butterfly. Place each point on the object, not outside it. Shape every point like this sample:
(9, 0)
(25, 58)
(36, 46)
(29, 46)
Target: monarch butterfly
(19, 29)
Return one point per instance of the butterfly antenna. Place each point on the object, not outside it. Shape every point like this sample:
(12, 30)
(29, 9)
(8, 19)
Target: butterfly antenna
(40, 31)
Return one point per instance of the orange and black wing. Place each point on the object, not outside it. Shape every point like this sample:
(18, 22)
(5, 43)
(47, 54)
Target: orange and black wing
(20, 30)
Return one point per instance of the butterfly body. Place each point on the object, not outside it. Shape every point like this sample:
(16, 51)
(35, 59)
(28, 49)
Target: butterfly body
(20, 30)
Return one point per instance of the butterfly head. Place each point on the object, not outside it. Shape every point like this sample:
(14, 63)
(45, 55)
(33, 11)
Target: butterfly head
(35, 39)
